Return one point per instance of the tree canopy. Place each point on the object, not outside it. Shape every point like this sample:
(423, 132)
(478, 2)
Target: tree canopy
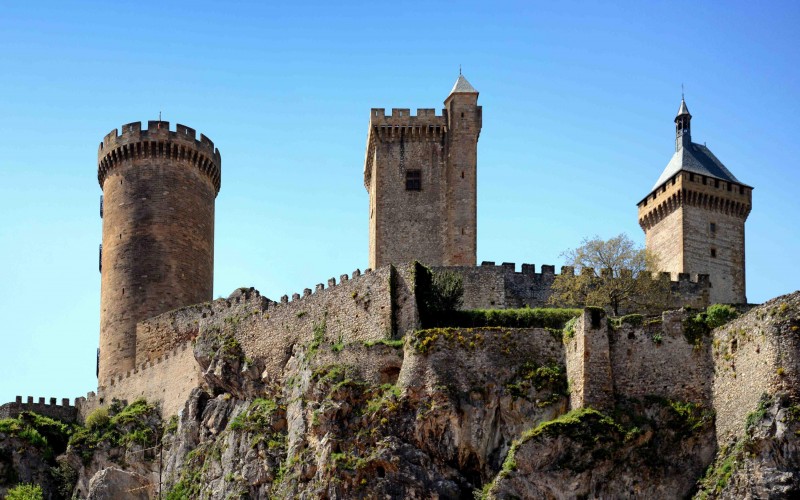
(614, 274)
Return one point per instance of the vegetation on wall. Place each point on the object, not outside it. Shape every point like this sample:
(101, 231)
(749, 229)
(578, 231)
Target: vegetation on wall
(437, 293)
(694, 327)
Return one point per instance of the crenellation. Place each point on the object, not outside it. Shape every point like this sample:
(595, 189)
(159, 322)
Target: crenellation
(49, 407)
(331, 282)
(295, 297)
(306, 292)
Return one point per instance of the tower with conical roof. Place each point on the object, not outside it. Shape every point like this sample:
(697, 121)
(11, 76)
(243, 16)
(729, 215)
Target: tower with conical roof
(694, 216)
(421, 175)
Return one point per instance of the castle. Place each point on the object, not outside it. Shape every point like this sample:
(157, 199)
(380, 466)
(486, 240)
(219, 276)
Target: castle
(159, 188)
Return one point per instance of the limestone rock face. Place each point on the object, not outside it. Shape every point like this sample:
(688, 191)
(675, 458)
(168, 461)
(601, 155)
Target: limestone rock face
(112, 484)
(765, 463)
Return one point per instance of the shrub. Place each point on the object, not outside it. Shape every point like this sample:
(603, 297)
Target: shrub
(25, 492)
(98, 418)
(436, 292)
(719, 314)
(511, 318)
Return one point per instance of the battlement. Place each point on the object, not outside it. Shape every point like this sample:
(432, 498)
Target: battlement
(492, 286)
(425, 125)
(687, 189)
(158, 141)
(63, 411)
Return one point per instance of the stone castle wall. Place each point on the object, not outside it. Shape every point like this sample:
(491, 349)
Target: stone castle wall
(491, 286)
(166, 380)
(604, 362)
(757, 354)
(588, 362)
(64, 411)
(657, 360)
(370, 306)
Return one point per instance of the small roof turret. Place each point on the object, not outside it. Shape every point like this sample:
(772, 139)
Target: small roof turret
(683, 110)
(462, 86)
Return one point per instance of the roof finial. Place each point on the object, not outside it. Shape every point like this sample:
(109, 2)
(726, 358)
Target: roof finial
(682, 91)
(159, 119)
(459, 70)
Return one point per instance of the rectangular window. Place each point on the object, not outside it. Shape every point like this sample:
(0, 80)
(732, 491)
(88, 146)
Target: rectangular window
(714, 253)
(413, 180)
(713, 227)
(691, 177)
(716, 183)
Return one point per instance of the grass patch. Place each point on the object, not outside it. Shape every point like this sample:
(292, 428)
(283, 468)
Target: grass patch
(630, 319)
(396, 343)
(257, 418)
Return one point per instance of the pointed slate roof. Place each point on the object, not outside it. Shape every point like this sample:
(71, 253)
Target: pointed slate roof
(683, 110)
(696, 159)
(462, 86)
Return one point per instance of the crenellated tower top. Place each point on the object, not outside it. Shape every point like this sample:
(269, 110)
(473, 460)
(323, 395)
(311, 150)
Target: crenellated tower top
(159, 141)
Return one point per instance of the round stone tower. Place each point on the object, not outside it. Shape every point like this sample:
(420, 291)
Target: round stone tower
(157, 254)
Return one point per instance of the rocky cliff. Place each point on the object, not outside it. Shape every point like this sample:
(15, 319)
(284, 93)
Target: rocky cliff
(442, 413)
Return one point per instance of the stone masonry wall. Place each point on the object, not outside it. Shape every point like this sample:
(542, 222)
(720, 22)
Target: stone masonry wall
(167, 380)
(64, 411)
(489, 286)
(628, 361)
(726, 267)
(754, 355)
(589, 370)
(657, 360)
(370, 306)
(406, 224)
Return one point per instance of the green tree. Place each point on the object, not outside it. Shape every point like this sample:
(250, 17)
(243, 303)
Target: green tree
(614, 274)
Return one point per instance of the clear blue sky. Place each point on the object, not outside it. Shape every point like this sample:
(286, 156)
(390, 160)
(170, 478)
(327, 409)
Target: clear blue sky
(578, 103)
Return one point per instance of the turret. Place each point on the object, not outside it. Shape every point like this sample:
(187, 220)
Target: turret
(683, 127)
(464, 118)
